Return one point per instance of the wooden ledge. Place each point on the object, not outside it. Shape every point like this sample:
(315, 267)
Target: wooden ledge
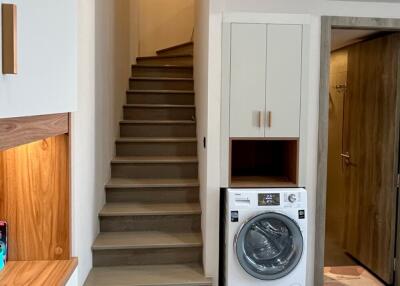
(38, 273)
(22, 130)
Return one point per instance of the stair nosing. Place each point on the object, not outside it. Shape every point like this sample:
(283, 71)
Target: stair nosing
(146, 78)
(126, 160)
(98, 246)
(159, 122)
(177, 91)
(103, 213)
(156, 105)
(165, 56)
(157, 185)
(196, 267)
(166, 66)
(156, 139)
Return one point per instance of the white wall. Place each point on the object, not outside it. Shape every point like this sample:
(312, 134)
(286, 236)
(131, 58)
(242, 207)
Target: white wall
(315, 8)
(201, 44)
(162, 23)
(104, 67)
(47, 41)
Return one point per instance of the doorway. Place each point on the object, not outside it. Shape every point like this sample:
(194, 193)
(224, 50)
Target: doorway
(358, 158)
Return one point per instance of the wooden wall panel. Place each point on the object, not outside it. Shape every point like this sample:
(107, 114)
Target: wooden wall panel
(34, 199)
(22, 130)
(370, 136)
(9, 38)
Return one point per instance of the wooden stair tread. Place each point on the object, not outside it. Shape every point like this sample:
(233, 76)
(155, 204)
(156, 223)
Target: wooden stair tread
(163, 66)
(160, 105)
(161, 78)
(119, 183)
(156, 139)
(165, 91)
(163, 122)
(165, 57)
(132, 209)
(55, 272)
(148, 275)
(145, 239)
(154, 159)
(190, 43)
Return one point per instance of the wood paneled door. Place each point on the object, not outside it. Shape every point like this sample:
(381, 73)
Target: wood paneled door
(371, 144)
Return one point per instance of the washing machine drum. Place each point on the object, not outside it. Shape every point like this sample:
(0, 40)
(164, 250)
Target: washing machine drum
(269, 246)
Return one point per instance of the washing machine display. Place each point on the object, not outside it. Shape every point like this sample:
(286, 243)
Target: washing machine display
(269, 246)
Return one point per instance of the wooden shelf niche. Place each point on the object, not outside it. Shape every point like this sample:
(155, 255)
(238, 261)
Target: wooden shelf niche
(35, 199)
(264, 163)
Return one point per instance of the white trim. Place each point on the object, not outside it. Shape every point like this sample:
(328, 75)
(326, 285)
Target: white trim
(263, 18)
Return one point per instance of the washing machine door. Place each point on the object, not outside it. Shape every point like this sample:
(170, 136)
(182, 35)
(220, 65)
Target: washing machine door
(269, 246)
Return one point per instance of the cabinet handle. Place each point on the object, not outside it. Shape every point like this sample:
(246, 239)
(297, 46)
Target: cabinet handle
(269, 119)
(260, 118)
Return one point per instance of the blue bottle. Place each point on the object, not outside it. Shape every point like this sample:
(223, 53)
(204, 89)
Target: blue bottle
(3, 252)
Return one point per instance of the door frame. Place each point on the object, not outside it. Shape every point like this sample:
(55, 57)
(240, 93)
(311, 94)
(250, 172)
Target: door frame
(327, 24)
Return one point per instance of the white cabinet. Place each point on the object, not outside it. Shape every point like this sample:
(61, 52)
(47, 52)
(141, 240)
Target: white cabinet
(248, 69)
(265, 80)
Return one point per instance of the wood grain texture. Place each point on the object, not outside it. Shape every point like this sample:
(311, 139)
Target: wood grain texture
(34, 199)
(322, 162)
(9, 38)
(22, 130)
(371, 127)
(327, 23)
(263, 163)
(335, 182)
(38, 273)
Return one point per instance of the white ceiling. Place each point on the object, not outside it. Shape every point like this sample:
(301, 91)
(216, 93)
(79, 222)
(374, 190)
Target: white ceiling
(345, 37)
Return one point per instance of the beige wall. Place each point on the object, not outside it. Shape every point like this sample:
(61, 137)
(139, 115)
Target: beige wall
(103, 72)
(335, 215)
(158, 24)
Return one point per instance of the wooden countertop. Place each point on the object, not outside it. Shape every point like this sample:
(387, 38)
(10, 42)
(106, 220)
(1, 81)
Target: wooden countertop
(34, 273)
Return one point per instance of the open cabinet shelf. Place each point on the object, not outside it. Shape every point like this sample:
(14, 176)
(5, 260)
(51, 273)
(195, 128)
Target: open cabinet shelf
(263, 163)
(35, 200)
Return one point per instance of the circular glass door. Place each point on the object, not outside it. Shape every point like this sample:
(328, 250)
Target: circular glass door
(269, 246)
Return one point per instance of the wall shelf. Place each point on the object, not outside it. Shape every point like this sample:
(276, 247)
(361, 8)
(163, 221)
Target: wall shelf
(35, 199)
(264, 163)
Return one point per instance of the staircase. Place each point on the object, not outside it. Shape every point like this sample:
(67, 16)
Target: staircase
(150, 225)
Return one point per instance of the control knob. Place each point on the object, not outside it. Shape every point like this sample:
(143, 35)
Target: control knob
(292, 198)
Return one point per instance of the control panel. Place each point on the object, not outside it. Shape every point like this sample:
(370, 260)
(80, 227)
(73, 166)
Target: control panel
(269, 199)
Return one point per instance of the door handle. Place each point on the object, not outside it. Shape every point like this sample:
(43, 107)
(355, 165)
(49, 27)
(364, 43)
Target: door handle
(269, 119)
(260, 118)
(346, 156)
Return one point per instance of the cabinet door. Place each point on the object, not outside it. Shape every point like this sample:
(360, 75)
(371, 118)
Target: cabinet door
(283, 85)
(247, 83)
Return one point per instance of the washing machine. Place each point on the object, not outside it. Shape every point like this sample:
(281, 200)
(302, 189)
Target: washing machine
(265, 237)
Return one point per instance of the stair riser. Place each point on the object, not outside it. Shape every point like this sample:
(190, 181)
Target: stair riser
(166, 61)
(139, 84)
(147, 256)
(158, 130)
(144, 113)
(153, 195)
(157, 149)
(152, 171)
(173, 223)
(162, 72)
(160, 98)
(183, 50)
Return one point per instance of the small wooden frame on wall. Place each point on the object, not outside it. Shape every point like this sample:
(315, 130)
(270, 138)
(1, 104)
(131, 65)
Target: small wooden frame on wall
(9, 38)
